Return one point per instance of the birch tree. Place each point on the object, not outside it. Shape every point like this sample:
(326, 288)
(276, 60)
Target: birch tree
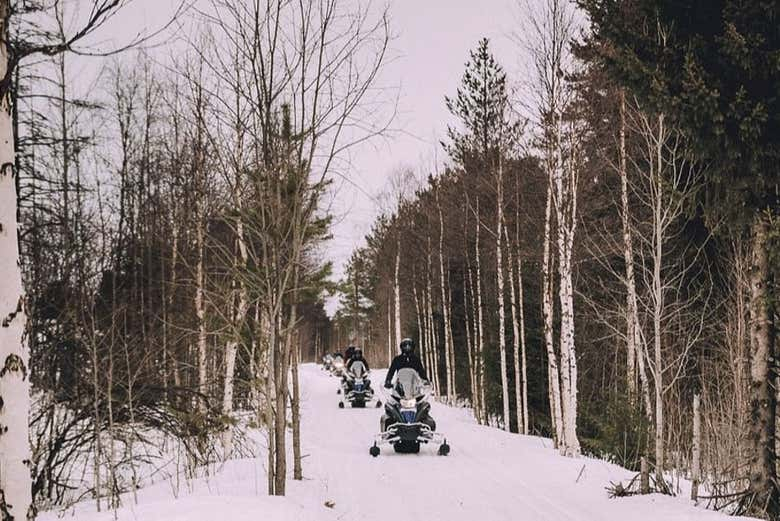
(15, 491)
(550, 33)
(715, 103)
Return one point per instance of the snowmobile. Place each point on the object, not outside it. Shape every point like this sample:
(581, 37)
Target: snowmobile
(356, 386)
(406, 423)
(327, 362)
(337, 367)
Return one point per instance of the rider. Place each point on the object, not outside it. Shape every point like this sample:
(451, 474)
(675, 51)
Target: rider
(357, 356)
(407, 358)
(349, 352)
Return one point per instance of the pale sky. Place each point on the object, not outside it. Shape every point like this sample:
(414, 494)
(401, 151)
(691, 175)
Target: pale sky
(433, 39)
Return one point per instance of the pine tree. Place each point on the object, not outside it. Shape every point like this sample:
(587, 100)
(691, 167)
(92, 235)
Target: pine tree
(481, 148)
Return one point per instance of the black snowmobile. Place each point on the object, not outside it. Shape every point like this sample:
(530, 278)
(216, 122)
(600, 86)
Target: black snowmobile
(356, 386)
(407, 423)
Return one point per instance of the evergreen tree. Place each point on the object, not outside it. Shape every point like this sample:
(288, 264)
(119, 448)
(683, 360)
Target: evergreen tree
(714, 66)
(482, 109)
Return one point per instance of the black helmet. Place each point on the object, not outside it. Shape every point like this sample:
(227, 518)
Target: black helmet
(357, 352)
(407, 346)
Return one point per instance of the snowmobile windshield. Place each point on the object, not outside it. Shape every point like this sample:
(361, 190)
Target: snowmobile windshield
(358, 369)
(408, 383)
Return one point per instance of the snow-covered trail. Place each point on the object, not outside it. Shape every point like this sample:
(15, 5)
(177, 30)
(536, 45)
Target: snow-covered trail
(490, 475)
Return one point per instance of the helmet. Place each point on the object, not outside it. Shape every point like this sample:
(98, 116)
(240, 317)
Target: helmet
(357, 352)
(407, 345)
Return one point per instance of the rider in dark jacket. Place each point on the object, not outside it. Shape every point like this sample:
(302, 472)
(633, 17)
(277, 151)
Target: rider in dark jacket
(407, 358)
(357, 356)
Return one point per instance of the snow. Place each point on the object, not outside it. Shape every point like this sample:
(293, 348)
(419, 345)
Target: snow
(490, 475)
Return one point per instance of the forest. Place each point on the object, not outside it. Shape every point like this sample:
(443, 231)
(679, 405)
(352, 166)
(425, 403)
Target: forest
(590, 261)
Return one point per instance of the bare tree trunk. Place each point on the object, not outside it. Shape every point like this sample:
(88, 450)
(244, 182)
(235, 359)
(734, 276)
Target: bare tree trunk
(763, 493)
(15, 483)
(113, 495)
(634, 345)
(98, 450)
(201, 316)
(420, 329)
(500, 293)
(468, 298)
(556, 415)
(738, 350)
(397, 291)
(523, 357)
(430, 336)
(231, 348)
(470, 309)
(445, 311)
(390, 348)
(283, 365)
(658, 304)
(451, 346)
(295, 406)
(696, 456)
(432, 328)
(515, 341)
(631, 325)
(480, 362)
(565, 199)
(270, 395)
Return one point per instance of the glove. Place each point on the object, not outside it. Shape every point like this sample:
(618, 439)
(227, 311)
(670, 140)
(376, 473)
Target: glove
(388, 385)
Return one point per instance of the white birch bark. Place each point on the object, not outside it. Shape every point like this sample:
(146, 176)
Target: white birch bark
(553, 375)
(200, 313)
(500, 293)
(418, 317)
(480, 359)
(631, 325)
(15, 483)
(434, 341)
(565, 202)
(390, 349)
(696, 450)
(523, 357)
(448, 362)
(658, 301)
(397, 291)
(468, 291)
(515, 341)
(231, 348)
(268, 332)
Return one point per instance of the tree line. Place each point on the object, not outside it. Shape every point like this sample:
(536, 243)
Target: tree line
(594, 261)
(171, 223)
